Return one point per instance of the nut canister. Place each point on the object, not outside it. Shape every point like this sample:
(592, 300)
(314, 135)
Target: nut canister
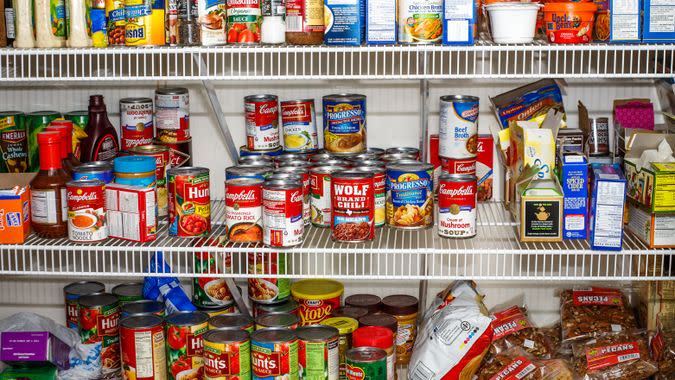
(143, 350)
(345, 326)
(13, 142)
(410, 195)
(378, 337)
(274, 354)
(136, 122)
(248, 171)
(366, 363)
(370, 302)
(350, 312)
(227, 354)
(459, 165)
(243, 210)
(405, 150)
(404, 308)
(282, 213)
(353, 206)
(277, 320)
(116, 19)
(184, 344)
(142, 307)
(306, 187)
(101, 170)
(320, 199)
(86, 211)
(232, 322)
(380, 191)
(318, 352)
(129, 292)
(180, 152)
(272, 289)
(598, 139)
(298, 121)
(286, 306)
(172, 114)
(72, 293)
(317, 299)
(189, 201)
(262, 122)
(99, 316)
(458, 130)
(162, 157)
(344, 123)
(457, 206)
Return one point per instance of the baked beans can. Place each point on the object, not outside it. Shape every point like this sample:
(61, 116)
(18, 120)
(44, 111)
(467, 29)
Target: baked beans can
(129, 292)
(285, 177)
(116, 20)
(318, 352)
(184, 344)
(353, 206)
(303, 171)
(286, 306)
(274, 354)
(99, 316)
(72, 293)
(189, 202)
(344, 123)
(162, 158)
(232, 322)
(366, 363)
(298, 121)
(379, 183)
(317, 299)
(248, 171)
(227, 355)
(270, 289)
(262, 122)
(459, 165)
(277, 320)
(143, 351)
(101, 170)
(410, 195)
(458, 130)
(283, 224)
(320, 199)
(86, 211)
(243, 210)
(172, 114)
(180, 152)
(413, 152)
(457, 206)
(136, 122)
(142, 307)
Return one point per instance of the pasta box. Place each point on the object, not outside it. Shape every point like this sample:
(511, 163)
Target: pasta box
(541, 207)
(15, 207)
(659, 23)
(574, 183)
(651, 185)
(608, 195)
(33, 349)
(655, 230)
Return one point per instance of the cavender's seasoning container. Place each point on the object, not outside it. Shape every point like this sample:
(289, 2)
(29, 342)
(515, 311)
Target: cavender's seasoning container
(345, 326)
(378, 337)
(404, 308)
(304, 22)
(49, 209)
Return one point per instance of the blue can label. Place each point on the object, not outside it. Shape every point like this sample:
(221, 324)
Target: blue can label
(344, 124)
(410, 201)
(106, 176)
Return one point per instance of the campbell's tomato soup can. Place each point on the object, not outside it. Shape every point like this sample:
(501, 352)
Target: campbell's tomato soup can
(458, 129)
(243, 210)
(143, 351)
(262, 122)
(189, 202)
(99, 316)
(227, 354)
(136, 122)
(459, 165)
(317, 299)
(72, 293)
(272, 289)
(457, 206)
(298, 121)
(283, 224)
(185, 347)
(320, 200)
(274, 354)
(353, 208)
(86, 211)
(302, 169)
(172, 114)
(162, 156)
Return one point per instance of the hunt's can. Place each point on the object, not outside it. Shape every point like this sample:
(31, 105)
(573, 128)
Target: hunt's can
(99, 316)
(379, 183)
(172, 114)
(180, 152)
(318, 352)
(344, 123)
(282, 213)
(457, 206)
(143, 350)
(72, 293)
(162, 157)
(406, 150)
(184, 345)
(86, 211)
(243, 210)
(274, 354)
(410, 195)
(136, 122)
(129, 292)
(458, 129)
(189, 202)
(320, 198)
(303, 171)
(232, 322)
(277, 320)
(227, 355)
(462, 166)
(143, 307)
(298, 121)
(100, 170)
(353, 206)
(251, 171)
(272, 289)
(262, 122)
(115, 14)
(13, 142)
(36, 122)
(366, 363)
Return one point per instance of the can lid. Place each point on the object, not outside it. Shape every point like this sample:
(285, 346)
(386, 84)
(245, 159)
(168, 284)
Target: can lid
(344, 325)
(370, 302)
(400, 304)
(225, 336)
(135, 100)
(273, 335)
(277, 320)
(98, 299)
(82, 288)
(317, 289)
(317, 333)
(46, 113)
(134, 164)
(365, 354)
(373, 336)
(230, 321)
(287, 306)
(141, 321)
(187, 318)
(171, 91)
(381, 320)
(350, 311)
(143, 307)
(132, 289)
(85, 183)
(149, 149)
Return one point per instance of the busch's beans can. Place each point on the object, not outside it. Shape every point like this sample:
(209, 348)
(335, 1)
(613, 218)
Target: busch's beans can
(458, 130)
(459, 165)
(457, 206)
(282, 213)
(298, 121)
(243, 210)
(136, 122)
(353, 206)
(262, 122)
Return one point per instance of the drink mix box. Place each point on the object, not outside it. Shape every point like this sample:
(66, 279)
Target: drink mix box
(608, 195)
(573, 174)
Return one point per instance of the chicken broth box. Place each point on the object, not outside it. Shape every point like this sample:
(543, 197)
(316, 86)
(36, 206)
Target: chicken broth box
(608, 195)
(574, 182)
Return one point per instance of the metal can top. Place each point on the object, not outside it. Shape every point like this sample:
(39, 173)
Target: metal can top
(332, 162)
(327, 169)
(95, 166)
(82, 288)
(351, 174)
(344, 325)
(459, 98)
(317, 333)
(285, 176)
(77, 113)
(273, 335)
(97, 300)
(249, 169)
(143, 307)
(277, 320)
(321, 157)
(369, 169)
(288, 306)
(141, 321)
(135, 100)
(149, 149)
(292, 169)
(260, 98)
(187, 318)
(187, 170)
(344, 97)
(282, 184)
(230, 321)
(225, 336)
(398, 156)
(376, 151)
(361, 157)
(263, 158)
(44, 113)
(130, 289)
(373, 163)
(10, 113)
(447, 177)
(296, 101)
(171, 91)
(409, 165)
(402, 149)
(270, 153)
(366, 354)
(85, 183)
(295, 164)
(291, 157)
(244, 181)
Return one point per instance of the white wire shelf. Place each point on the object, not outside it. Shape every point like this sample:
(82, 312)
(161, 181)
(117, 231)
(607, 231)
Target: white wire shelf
(483, 60)
(495, 253)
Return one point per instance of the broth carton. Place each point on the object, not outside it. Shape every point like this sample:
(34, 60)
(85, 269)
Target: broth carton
(574, 182)
(608, 195)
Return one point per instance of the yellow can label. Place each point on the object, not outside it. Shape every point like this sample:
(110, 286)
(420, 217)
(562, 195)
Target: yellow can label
(144, 22)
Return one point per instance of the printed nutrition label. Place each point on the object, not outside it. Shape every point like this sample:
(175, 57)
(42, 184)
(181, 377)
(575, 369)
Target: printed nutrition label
(661, 16)
(609, 214)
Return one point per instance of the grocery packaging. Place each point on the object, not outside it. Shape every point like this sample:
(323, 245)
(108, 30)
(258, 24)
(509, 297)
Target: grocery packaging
(484, 167)
(621, 22)
(541, 210)
(656, 304)
(662, 349)
(657, 26)
(650, 171)
(655, 230)
(574, 182)
(380, 20)
(460, 22)
(15, 207)
(569, 22)
(38, 348)
(512, 328)
(515, 363)
(608, 195)
(131, 212)
(513, 22)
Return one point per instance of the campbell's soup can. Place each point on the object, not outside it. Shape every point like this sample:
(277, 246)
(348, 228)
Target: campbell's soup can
(243, 210)
(320, 199)
(185, 346)
(274, 354)
(72, 293)
(172, 114)
(262, 122)
(457, 206)
(189, 202)
(459, 165)
(458, 129)
(227, 355)
(317, 299)
(272, 289)
(282, 213)
(301, 169)
(86, 211)
(99, 316)
(298, 121)
(143, 351)
(136, 122)
(162, 157)
(353, 206)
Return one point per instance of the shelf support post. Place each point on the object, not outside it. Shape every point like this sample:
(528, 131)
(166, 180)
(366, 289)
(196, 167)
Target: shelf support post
(424, 152)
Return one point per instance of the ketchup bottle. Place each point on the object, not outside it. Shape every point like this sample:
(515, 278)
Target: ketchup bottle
(101, 143)
(65, 129)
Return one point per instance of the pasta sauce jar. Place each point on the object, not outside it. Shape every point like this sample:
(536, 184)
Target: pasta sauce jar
(282, 213)
(86, 211)
(353, 208)
(189, 202)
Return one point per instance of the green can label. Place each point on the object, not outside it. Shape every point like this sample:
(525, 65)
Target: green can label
(375, 370)
(211, 291)
(319, 360)
(37, 122)
(13, 143)
(80, 120)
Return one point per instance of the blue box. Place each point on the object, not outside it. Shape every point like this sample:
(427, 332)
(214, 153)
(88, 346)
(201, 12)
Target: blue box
(608, 196)
(380, 22)
(346, 22)
(625, 24)
(574, 182)
(459, 22)
(658, 24)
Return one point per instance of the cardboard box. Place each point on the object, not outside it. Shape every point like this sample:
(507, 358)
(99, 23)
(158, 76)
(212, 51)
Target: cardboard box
(652, 186)
(33, 349)
(132, 212)
(659, 21)
(459, 22)
(655, 230)
(625, 26)
(574, 183)
(380, 22)
(541, 209)
(608, 195)
(347, 22)
(484, 166)
(15, 207)
(656, 301)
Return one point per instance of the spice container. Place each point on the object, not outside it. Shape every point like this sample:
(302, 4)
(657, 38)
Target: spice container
(317, 299)
(378, 337)
(345, 326)
(404, 308)
(49, 209)
(370, 302)
(135, 171)
(598, 138)
(304, 22)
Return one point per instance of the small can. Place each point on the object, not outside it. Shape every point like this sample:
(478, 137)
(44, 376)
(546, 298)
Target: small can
(462, 166)
(136, 122)
(302, 171)
(172, 114)
(232, 322)
(243, 210)
(333, 162)
(318, 158)
(243, 21)
(598, 139)
(99, 316)
(406, 150)
(86, 211)
(353, 207)
(36, 122)
(457, 206)
(317, 299)
(274, 354)
(244, 151)
(287, 306)
(410, 195)
(380, 191)
(129, 292)
(277, 320)
(189, 202)
(100, 170)
(282, 213)
(214, 311)
(162, 157)
(248, 171)
(344, 123)
(184, 344)
(135, 171)
(458, 129)
(259, 160)
(319, 352)
(143, 350)
(421, 21)
(72, 293)
(298, 121)
(345, 327)
(180, 152)
(366, 363)
(320, 197)
(14, 142)
(212, 22)
(262, 122)
(143, 307)
(272, 289)
(227, 355)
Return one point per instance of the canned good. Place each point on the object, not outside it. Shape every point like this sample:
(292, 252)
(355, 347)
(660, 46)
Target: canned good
(248, 171)
(366, 363)
(291, 157)
(272, 289)
(404, 308)
(36, 122)
(262, 121)
(227, 355)
(99, 316)
(244, 152)
(320, 157)
(282, 213)
(144, 23)
(243, 210)
(211, 291)
(318, 352)
(162, 156)
(344, 123)
(258, 160)
(184, 344)
(232, 322)
(135, 171)
(286, 306)
(458, 130)
(277, 320)
(72, 293)
(379, 152)
(598, 139)
(410, 195)
(13, 142)
(306, 187)
(129, 292)
(172, 114)
(353, 206)
(214, 311)
(373, 163)
(80, 120)
(349, 312)
(142, 307)
(320, 196)
(317, 299)
(395, 157)
(377, 337)
(115, 14)
(409, 151)
(100, 170)
(457, 206)
(298, 121)
(463, 166)
(286, 176)
(333, 162)
(86, 211)
(274, 354)
(180, 152)
(212, 22)
(143, 351)
(370, 302)
(295, 164)
(189, 202)
(420, 21)
(345, 327)
(380, 192)
(243, 21)
(135, 121)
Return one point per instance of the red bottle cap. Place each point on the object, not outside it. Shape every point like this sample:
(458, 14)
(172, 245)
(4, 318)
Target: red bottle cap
(62, 130)
(69, 124)
(373, 336)
(50, 150)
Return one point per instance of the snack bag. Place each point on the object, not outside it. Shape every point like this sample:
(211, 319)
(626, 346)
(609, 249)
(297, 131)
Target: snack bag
(662, 348)
(614, 356)
(516, 364)
(512, 328)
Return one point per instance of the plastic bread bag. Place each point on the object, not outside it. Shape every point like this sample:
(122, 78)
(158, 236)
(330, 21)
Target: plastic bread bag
(662, 348)
(512, 328)
(454, 336)
(516, 364)
(614, 356)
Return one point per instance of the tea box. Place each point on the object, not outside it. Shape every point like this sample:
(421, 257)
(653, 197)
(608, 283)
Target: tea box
(541, 210)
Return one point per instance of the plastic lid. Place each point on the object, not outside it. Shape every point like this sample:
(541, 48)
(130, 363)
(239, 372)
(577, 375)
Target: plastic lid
(373, 336)
(66, 137)
(134, 164)
(50, 150)
(366, 301)
(514, 5)
(575, 7)
(317, 289)
(345, 325)
(349, 311)
(400, 304)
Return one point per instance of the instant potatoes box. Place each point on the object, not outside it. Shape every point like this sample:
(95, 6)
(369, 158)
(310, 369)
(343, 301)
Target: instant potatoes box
(14, 207)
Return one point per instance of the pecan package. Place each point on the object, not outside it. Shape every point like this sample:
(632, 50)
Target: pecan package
(615, 356)
(586, 313)
(516, 364)
(662, 348)
(512, 328)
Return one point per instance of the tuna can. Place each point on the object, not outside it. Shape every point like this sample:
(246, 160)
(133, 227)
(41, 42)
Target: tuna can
(379, 182)
(13, 142)
(86, 211)
(227, 354)
(287, 306)
(244, 152)
(232, 322)
(162, 157)
(458, 129)
(298, 122)
(457, 206)
(320, 199)
(189, 202)
(408, 151)
(598, 139)
(274, 354)
(136, 122)
(353, 206)
(180, 152)
(366, 363)
(72, 293)
(129, 292)
(248, 171)
(410, 195)
(318, 352)
(99, 316)
(345, 327)
(271, 289)
(135, 171)
(243, 210)
(463, 166)
(259, 160)
(306, 188)
(143, 351)
(185, 347)
(277, 320)
(283, 213)
(172, 114)
(143, 307)
(344, 123)
(100, 170)
(262, 122)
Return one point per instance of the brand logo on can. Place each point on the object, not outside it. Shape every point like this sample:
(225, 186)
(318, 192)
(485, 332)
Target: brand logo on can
(217, 364)
(266, 364)
(457, 207)
(454, 192)
(355, 373)
(461, 166)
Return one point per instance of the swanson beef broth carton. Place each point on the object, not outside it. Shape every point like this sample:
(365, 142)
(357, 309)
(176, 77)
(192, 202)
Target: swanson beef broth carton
(608, 195)
(573, 173)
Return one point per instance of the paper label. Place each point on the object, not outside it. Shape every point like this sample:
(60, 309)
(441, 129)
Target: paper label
(606, 356)
(597, 296)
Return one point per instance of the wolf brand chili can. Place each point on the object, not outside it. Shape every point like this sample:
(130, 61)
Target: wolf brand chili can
(274, 354)
(379, 183)
(462, 166)
(129, 292)
(282, 213)
(142, 307)
(172, 114)
(72, 293)
(353, 206)
(232, 322)
(298, 121)
(136, 122)
(344, 123)
(320, 199)
(86, 211)
(410, 196)
(317, 299)
(457, 206)
(262, 122)
(99, 316)
(458, 130)
(189, 202)
(248, 170)
(243, 210)
(143, 351)
(100, 170)
(366, 363)
(227, 355)
(162, 157)
(318, 352)
(272, 289)
(277, 320)
(184, 344)
(302, 171)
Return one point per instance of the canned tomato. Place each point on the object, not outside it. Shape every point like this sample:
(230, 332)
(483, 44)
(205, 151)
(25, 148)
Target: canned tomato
(232, 322)
(272, 289)
(344, 123)
(286, 306)
(172, 114)
(302, 171)
(262, 122)
(184, 344)
(458, 130)
(99, 316)
(86, 211)
(180, 152)
(72, 293)
(410, 195)
(143, 351)
(345, 327)
(318, 352)
(274, 354)
(248, 171)
(209, 291)
(136, 122)
(320, 198)
(100, 170)
(353, 206)
(277, 320)
(162, 157)
(379, 183)
(258, 160)
(129, 292)
(406, 150)
(282, 213)
(298, 121)
(366, 363)
(243, 210)
(461, 166)
(189, 202)
(317, 299)
(243, 21)
(142, 307)
(457, 206)
(227, 355)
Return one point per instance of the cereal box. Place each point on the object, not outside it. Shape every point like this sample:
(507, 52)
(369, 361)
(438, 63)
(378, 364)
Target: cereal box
(652, 185)
(574, 182)
(485, 166)
(14, 207)
(608, 194)
(132, 212)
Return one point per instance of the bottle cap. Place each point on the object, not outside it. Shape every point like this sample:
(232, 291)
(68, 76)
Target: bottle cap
(66, 136)
(373, 336)
(50, 150)
(134, 164)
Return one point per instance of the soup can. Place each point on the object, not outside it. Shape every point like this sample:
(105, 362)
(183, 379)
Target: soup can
(244, 151)
(298, 121)
(380, 192)
(172, 114)
(282, 213)
(458, 129)
(72, 293)
(462, 166)
(189, 202)
(320, 198)
(421, 21)
(162, 157)
(319, 352)
(143, 307)
(143, 351)
(366, 363)
(99, 316)
(410, 195)
(286, 306)
(248, 171)
(136, 122)
(257, 160)
(306, 187)
(184, 344)
(129, 292)
(345, 327)
(180, 152)
(344, 123)
(318, 158)
(277, 320)
(353, 207)
(457, 206)
(274, 354)
(227, 354)
(262, 122)
(243, 210)
(406, 150)
(100, 170)
(270, 289)
(317, 299)
(232, 322)
(86, 211)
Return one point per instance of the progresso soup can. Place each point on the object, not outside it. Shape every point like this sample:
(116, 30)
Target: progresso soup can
(274, 354)
(143, 351)
(410, 195)
(344, 123)
(458, 129)
(189, 202)
(353, 206)
(298, 121)
(136, 122)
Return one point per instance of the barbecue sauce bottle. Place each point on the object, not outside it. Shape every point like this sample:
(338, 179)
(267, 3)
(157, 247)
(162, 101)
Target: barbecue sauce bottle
(49, 208)
(68, 159)
(101, 143)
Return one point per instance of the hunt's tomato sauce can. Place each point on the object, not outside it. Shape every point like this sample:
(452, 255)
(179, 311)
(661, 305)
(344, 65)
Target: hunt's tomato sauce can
(72, 293)
(274, 354)
(353, 209)
(227, 355)
(189, 202)
(457, 206)
(99, 323)
(317, 299)
(86, 211)
(262, 122)
(243, 210)
(282, 213)
(184, 344)
(143, 351)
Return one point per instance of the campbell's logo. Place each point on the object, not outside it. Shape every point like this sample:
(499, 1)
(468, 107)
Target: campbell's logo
(294, 111)
(265, 108)
(296, 196)
(79, 195)
(456, 191)
(354, 373)
(243, 195)
(266, 364)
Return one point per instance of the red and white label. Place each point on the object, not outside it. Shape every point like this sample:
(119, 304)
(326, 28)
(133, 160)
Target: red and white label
(131, 212)
(457, 208)
(299, 126)
(222, 359)
(136, 124)
(484, 167)
(606, 356)
(143, 352)
(459, 166)
(172, 117)
(262, 125)
(282, 217)
(86, 213)
(516, 370)
(508, 322)
(597, 296)
(320, 202)
(353, 209)
(243, 205)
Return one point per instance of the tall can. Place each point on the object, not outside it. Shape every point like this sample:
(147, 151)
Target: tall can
(458, 129)
(282, 213)
(80, 120)
(86, 211)
(172, 114)
(457, 205)
(298, 121)
(598, 139)
(344, 123)
(227, 355)
(262, 122)
(114, 11)
(184, 344)
(410, 195)
(143, 351)
(136, 122)
(274, 354)
(243, 21)
(212, 22)
(366, 363)
(320, 198)
(36, 122)
(99, 316)
(353, 207)
(189, 202)
(318, 352)
(162, 156)
(243, 210)
(303, 172)
(380, 191)
(72, 293)
(13, 142)
(144, 23)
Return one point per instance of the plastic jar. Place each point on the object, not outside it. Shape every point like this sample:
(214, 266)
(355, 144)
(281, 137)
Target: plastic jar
(513, 23)
(378, 337)
(569, 23)
(404, 308)
(369, 302)
(135, 170)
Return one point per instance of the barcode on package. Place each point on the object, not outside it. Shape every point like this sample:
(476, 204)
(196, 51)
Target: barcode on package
(627, 357)
(421, 372)
(293, 23)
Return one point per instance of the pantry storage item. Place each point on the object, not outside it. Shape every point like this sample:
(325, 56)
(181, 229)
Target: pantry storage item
(50, 23)
(78, 35)
(273, 26)
(10, 29)
(14, 141)
(579, 31)
(304, 22)
(37, 122)
(101, 143)
(65, 129)
(23, 13)
(513, 23)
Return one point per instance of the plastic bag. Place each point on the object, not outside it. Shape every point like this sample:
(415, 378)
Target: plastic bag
(165, 289)
(662, 347)
(512, 328)
(516, 364)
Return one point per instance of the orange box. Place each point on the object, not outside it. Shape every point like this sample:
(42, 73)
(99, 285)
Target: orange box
(15, 207)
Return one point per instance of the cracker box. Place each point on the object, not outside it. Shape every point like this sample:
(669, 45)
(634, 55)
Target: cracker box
(541, 207)
(485, 166)
(653, 185)
(132, 212)
(574, 183)
(655, 230)
(608, 195)
(380, 22)
(659, 21)
(15, 207)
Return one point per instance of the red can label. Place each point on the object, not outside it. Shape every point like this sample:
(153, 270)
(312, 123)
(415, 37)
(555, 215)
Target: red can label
(101, 325)
(185, 350)
(320, 202)
(86, 213)
(262, 124)
(459, 166)
(143, 353)
(189, 204)
(243, 211)
(313, 311)
(283, 217)
(274, 360)
(353, 210)
(457, 207)
(484, 167)
(136, 124)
